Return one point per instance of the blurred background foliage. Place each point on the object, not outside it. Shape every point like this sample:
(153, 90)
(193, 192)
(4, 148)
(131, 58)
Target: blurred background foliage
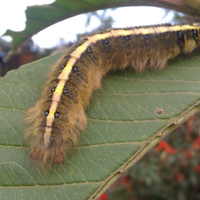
(29, 52)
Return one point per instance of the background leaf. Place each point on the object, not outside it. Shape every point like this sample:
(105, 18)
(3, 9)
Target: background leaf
(123, 124)
(40, 17)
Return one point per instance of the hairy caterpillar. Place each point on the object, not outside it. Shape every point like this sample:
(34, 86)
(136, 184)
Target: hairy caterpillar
(57, 118)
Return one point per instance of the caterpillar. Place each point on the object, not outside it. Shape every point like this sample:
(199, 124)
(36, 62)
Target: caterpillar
(55, 122)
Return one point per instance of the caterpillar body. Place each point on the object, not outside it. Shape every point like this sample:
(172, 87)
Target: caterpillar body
(54, 123)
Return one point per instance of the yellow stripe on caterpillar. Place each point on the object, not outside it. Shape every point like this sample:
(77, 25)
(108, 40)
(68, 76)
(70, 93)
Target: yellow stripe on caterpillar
(68, 68)
(59, 89)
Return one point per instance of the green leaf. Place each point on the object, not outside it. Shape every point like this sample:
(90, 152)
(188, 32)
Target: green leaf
(128, 116)
(41, 17)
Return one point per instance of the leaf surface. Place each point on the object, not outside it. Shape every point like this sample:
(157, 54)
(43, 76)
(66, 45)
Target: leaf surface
(128, 116)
